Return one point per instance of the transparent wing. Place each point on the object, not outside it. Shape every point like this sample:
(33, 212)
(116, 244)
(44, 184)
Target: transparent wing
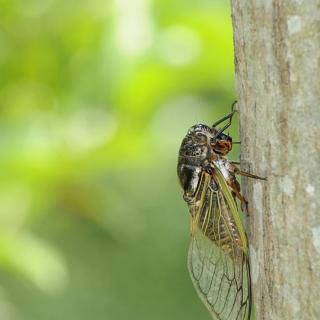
(217, 259)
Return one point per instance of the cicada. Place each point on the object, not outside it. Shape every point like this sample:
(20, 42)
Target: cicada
(218, 258)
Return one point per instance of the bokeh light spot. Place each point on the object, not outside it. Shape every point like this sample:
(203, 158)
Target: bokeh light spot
(179, 45)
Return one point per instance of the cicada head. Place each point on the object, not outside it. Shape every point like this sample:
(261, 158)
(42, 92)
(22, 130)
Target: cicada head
(201, 140)
(194, 151)
(197, 143)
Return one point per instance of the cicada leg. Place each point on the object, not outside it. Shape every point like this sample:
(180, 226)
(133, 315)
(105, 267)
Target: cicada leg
(235, 170)
(227, 117)
(247, 174)
(243, 202)
(235, 188)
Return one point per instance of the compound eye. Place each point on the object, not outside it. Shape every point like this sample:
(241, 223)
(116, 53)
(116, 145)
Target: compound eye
(201, 137)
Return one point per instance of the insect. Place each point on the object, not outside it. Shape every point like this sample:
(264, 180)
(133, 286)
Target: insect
(218, 258)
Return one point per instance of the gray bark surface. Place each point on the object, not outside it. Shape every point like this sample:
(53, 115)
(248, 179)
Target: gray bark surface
(277, 57)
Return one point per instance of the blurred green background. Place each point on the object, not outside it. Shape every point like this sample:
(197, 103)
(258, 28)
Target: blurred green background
(95, 97)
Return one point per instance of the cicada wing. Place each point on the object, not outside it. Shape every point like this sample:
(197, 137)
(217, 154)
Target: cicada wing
(217, 262)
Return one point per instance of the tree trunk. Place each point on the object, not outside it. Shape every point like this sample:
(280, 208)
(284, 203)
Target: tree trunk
(277, 58)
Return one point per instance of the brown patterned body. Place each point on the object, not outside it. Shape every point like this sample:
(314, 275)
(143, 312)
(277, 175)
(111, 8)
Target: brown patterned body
(218, 258)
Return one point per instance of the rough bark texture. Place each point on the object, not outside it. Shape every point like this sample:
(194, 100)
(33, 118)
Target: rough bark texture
(277, 55)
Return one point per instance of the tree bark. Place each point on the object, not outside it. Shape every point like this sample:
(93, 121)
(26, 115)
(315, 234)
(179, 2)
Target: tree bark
(277, 58)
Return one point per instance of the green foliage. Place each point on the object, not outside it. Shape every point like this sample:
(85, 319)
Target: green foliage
(95, 97)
